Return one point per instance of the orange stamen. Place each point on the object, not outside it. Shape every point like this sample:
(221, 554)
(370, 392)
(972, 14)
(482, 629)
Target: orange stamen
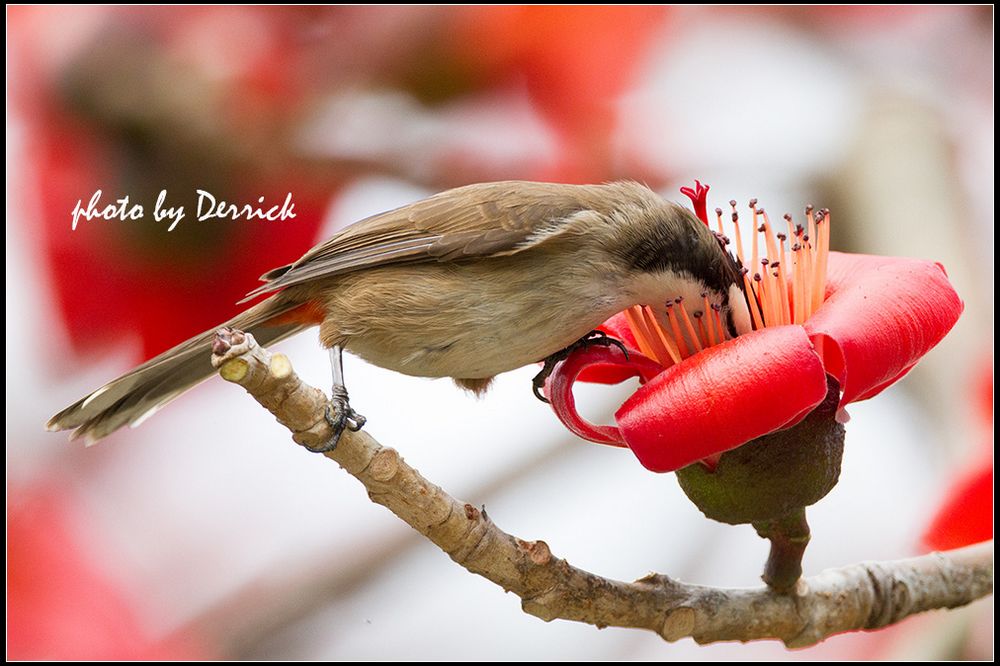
(807, 278)
(822, 253)
(661, 336)
(772, 300)
(797, 305)
(675, 327)
(638, 326)
(773, 288)
(754, 264)
(736, 231)
(703, 335)
(758, 319)
(712, 339)
(690, 329)
(717, 318)
(789, 268)
(755, 260)
(765, 313)
(810, 224)
(786, 313)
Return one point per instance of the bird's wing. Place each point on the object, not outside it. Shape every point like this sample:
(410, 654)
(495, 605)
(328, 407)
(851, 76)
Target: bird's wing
(487, 219)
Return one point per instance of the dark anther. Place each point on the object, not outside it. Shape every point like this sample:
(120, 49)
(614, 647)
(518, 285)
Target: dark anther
(761, 228)
(781, 236)
(787, 217)
(697, 314)
(753, 203)
(732, 202)
(718, 211)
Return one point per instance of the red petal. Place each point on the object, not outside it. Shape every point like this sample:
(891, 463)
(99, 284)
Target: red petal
(880, 316)
(723, 397)
(559, 386)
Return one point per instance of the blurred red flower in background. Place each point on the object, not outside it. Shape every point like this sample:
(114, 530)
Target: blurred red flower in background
(216, 98)
(575, 62)
(865, 320)
(965, 515)
(61, 604)
(123, 116)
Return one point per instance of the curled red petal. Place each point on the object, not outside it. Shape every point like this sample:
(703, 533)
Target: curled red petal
(603, 373)
(723, 397)
(881, 314)
(559, 386)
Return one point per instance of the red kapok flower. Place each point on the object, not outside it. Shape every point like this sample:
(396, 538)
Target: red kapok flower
(865, 320)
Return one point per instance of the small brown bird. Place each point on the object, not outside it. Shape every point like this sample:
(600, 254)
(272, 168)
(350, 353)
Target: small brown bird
(466, 284)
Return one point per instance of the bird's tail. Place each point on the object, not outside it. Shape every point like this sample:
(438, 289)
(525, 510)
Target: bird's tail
(138, 393)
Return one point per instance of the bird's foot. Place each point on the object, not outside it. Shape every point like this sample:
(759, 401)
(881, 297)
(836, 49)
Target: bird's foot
(341, 416)
(591, 339)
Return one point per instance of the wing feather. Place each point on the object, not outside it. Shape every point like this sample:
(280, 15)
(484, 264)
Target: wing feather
(487, 219)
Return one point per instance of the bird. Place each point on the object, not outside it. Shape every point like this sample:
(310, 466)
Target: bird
(468, 283)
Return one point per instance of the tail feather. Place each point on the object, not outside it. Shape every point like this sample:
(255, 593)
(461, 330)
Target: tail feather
(136, 395)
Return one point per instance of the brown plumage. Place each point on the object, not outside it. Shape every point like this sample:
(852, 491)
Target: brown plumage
(465, 284)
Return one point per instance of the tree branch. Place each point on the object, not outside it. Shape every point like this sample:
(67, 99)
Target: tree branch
(862, 596)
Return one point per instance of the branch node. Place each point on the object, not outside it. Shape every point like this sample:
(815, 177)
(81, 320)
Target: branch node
(384, 465)
(678, 624)
(537, 551)
(234, 370)
(281, 367)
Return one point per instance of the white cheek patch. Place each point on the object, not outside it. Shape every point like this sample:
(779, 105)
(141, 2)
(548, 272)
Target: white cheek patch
(655, 289)
(741, 313)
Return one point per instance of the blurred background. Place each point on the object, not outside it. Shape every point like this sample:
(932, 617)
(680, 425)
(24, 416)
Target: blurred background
(205, 534)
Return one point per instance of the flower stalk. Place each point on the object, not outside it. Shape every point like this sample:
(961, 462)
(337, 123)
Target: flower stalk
(789, 536)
